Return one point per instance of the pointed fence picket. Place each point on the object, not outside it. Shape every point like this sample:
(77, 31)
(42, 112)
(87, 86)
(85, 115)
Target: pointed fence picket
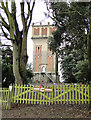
(57, 94)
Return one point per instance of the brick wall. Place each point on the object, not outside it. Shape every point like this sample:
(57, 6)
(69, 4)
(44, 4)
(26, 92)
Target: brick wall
(38, 58)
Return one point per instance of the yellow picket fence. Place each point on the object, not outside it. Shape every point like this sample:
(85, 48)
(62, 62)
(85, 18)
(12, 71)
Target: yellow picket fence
(60, 94)
(4, 98)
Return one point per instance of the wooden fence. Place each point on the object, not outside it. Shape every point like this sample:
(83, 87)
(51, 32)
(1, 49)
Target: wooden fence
(61, 94)
(4, 98)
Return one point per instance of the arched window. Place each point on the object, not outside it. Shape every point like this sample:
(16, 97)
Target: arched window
(43, 69)
(38, 49)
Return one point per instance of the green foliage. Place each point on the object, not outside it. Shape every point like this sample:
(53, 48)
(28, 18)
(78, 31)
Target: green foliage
(68, 66)
(70, 39)
(7, 75)
(7, 56)
(7, 67)
(28, 74)
(83, 73)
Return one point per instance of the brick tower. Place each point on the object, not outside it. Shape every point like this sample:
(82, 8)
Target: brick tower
(44, 62)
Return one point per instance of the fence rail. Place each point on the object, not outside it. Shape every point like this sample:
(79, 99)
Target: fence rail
(61, 94)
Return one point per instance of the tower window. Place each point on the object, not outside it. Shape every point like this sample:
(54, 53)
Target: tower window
(36, 31)
(44, 31)
(38, 48)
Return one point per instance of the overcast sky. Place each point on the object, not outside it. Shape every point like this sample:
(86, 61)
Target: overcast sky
(38, 16)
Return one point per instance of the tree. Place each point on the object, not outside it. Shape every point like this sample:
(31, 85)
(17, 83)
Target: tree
(28, 74)
(74, 69)
(7, 67)
(16, 36)
(73, 33)
(83, 73)
(7, 56)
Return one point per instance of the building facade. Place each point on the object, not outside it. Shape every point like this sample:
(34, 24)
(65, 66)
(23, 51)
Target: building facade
(44, 62)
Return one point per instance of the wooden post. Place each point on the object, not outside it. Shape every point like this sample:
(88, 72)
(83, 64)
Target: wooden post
(62, 85)
(45, 84)
(9, 98)
(89, 93)
(37, 84)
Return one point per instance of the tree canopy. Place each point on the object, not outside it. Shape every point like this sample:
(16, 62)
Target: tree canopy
(72, 39)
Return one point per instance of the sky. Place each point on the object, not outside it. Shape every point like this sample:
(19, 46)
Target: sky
(38, 16)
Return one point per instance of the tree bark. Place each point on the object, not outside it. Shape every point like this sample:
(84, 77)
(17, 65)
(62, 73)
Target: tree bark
(18, 79)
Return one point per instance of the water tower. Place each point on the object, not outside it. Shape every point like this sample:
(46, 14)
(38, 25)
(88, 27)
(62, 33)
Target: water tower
(44, 62)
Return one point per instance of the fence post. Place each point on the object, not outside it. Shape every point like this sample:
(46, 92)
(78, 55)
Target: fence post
(90, 98)
(62, 85)
(45, 84)
(9, 98)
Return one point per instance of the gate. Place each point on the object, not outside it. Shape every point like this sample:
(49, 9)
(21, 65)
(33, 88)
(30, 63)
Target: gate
(63, 94)
(32, 95)
(58, 94)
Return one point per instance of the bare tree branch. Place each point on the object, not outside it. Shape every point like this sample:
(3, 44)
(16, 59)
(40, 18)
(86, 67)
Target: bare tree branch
(1, 7)
(16, 35)
(6, 9)
(28, 10)
(7, 45)
(5, 35)
(22, 13)
(4, 23)
(31, 12)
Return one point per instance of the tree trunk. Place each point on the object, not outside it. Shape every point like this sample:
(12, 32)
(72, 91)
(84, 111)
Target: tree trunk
(20, 60)
(23, 57)
(18, 38)
(18, 79)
